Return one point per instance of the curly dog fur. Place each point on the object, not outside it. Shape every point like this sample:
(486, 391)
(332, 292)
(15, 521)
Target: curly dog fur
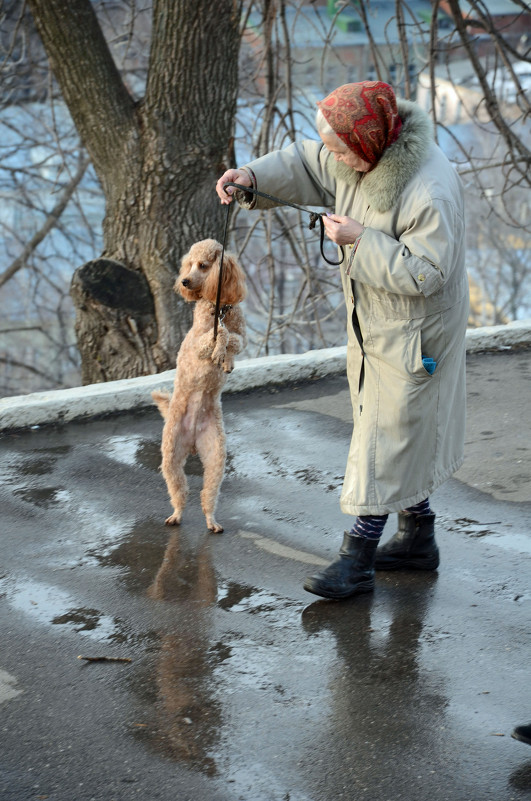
(193, 416)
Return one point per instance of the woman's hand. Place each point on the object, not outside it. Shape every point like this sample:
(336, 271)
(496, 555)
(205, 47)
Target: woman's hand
(234, 176)
(342, 230)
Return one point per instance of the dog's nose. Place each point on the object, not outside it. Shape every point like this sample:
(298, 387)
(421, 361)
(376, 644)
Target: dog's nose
(185, 282)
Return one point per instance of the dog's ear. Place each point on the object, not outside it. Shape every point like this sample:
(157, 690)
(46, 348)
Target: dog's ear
(233, 289)
(186, 263)
(209, 290)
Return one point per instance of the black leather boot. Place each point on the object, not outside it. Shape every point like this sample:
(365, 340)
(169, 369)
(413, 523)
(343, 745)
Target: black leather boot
(351, 573)
(413, 547)
(522, 733)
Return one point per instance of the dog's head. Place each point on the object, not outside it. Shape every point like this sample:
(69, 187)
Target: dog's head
(199, 275)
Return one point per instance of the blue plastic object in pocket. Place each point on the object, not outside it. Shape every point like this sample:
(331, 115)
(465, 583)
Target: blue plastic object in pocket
(430, 365)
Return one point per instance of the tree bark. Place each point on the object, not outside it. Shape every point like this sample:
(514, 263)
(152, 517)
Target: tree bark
(157, 162)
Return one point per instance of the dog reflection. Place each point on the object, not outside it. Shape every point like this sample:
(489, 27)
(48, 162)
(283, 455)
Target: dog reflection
(188, 715)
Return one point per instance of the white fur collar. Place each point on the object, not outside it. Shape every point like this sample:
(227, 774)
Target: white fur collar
(383, 185)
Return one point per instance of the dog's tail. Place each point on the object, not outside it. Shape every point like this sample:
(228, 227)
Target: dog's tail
(162, 399)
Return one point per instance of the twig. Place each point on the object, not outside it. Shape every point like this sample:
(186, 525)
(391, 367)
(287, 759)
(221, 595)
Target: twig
(105, 658)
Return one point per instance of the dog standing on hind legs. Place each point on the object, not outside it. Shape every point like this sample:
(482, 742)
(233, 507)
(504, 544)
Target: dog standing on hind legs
(192, 414)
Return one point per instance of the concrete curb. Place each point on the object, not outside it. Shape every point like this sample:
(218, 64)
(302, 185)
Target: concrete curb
(499, 337)
(64, 405)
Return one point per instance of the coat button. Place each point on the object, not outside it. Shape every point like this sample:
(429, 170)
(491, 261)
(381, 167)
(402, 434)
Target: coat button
(422, 277)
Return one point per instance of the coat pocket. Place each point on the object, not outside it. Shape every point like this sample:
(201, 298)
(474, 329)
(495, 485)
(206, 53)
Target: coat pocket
(426, 346)
(400, 345)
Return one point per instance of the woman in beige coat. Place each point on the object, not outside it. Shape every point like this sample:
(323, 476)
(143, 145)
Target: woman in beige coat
(399, 211)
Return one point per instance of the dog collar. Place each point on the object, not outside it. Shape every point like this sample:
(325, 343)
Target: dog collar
(224, 310)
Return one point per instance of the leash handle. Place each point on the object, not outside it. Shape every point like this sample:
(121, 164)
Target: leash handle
(314, 216)
(220, 278)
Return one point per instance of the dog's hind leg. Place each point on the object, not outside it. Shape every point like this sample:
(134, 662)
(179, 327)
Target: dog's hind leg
(173, 459)
(211, 449)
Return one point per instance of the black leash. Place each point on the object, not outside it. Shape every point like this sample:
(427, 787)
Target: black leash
(314, 216)
(218, 295)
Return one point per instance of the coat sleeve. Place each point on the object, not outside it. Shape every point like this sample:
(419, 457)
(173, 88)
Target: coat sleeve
(297, 174)
(420, 261)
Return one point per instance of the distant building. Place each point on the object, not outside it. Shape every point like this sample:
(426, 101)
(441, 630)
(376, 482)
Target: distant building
(510, 19)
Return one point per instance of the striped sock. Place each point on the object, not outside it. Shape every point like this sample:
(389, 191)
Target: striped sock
(422, 508)
(369, 527)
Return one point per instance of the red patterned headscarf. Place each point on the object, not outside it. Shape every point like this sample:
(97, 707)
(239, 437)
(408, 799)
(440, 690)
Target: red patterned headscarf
(364, 116)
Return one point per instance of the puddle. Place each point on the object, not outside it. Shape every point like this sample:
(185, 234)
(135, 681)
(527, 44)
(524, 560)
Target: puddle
(37, 467)
(182, 718)
(148, 454)
(80, 619)
(43, 497)
(44, 603)
(51, 606)
(165, 563)
(232, 595)
(38, 462)
(276, 611)
(47, 604)
(122, 449)
(252, 665)
(473, 528)
(139, 551)
(493, 532)
(8, 687)
(521, 543)
(264, 781)
(141, 452)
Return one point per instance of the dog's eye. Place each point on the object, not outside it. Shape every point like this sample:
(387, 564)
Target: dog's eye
(203, 266)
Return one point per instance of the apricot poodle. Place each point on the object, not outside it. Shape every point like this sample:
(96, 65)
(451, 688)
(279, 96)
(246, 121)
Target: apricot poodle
(193, 416)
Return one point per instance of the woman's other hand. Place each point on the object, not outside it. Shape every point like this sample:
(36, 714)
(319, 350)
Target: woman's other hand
(342, 230)
(231, 176)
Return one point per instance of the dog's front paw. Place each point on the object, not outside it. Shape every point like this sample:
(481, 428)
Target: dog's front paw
(173, 520)
(218, 354)
(228, 364)
(213, 526)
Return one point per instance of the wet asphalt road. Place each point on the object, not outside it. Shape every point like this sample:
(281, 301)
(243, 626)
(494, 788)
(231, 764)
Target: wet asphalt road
(241, 685)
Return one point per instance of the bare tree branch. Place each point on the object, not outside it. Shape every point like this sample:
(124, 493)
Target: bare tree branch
(50, 222)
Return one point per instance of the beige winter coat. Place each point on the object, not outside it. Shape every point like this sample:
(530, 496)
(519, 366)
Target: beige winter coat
(407, 282)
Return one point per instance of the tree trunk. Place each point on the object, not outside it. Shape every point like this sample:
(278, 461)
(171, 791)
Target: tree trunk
(157, 162)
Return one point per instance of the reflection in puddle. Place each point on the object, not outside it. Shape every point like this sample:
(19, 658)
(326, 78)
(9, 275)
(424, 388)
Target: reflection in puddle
(276, 610)
(38, 462)
(195, 672)
(520, 779)
(8, 686)
(48, 604)
(122, 449)
(202, 680)
(37, 467)
(81, 619)
(232, 595)
(144, 553)
(521, 543)
(51, 606)
(148, 454)
(251, 665)
(494, 532)
(196, 681)
(185, 714)
(140, 559)
(133, 451)
(43, 497)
